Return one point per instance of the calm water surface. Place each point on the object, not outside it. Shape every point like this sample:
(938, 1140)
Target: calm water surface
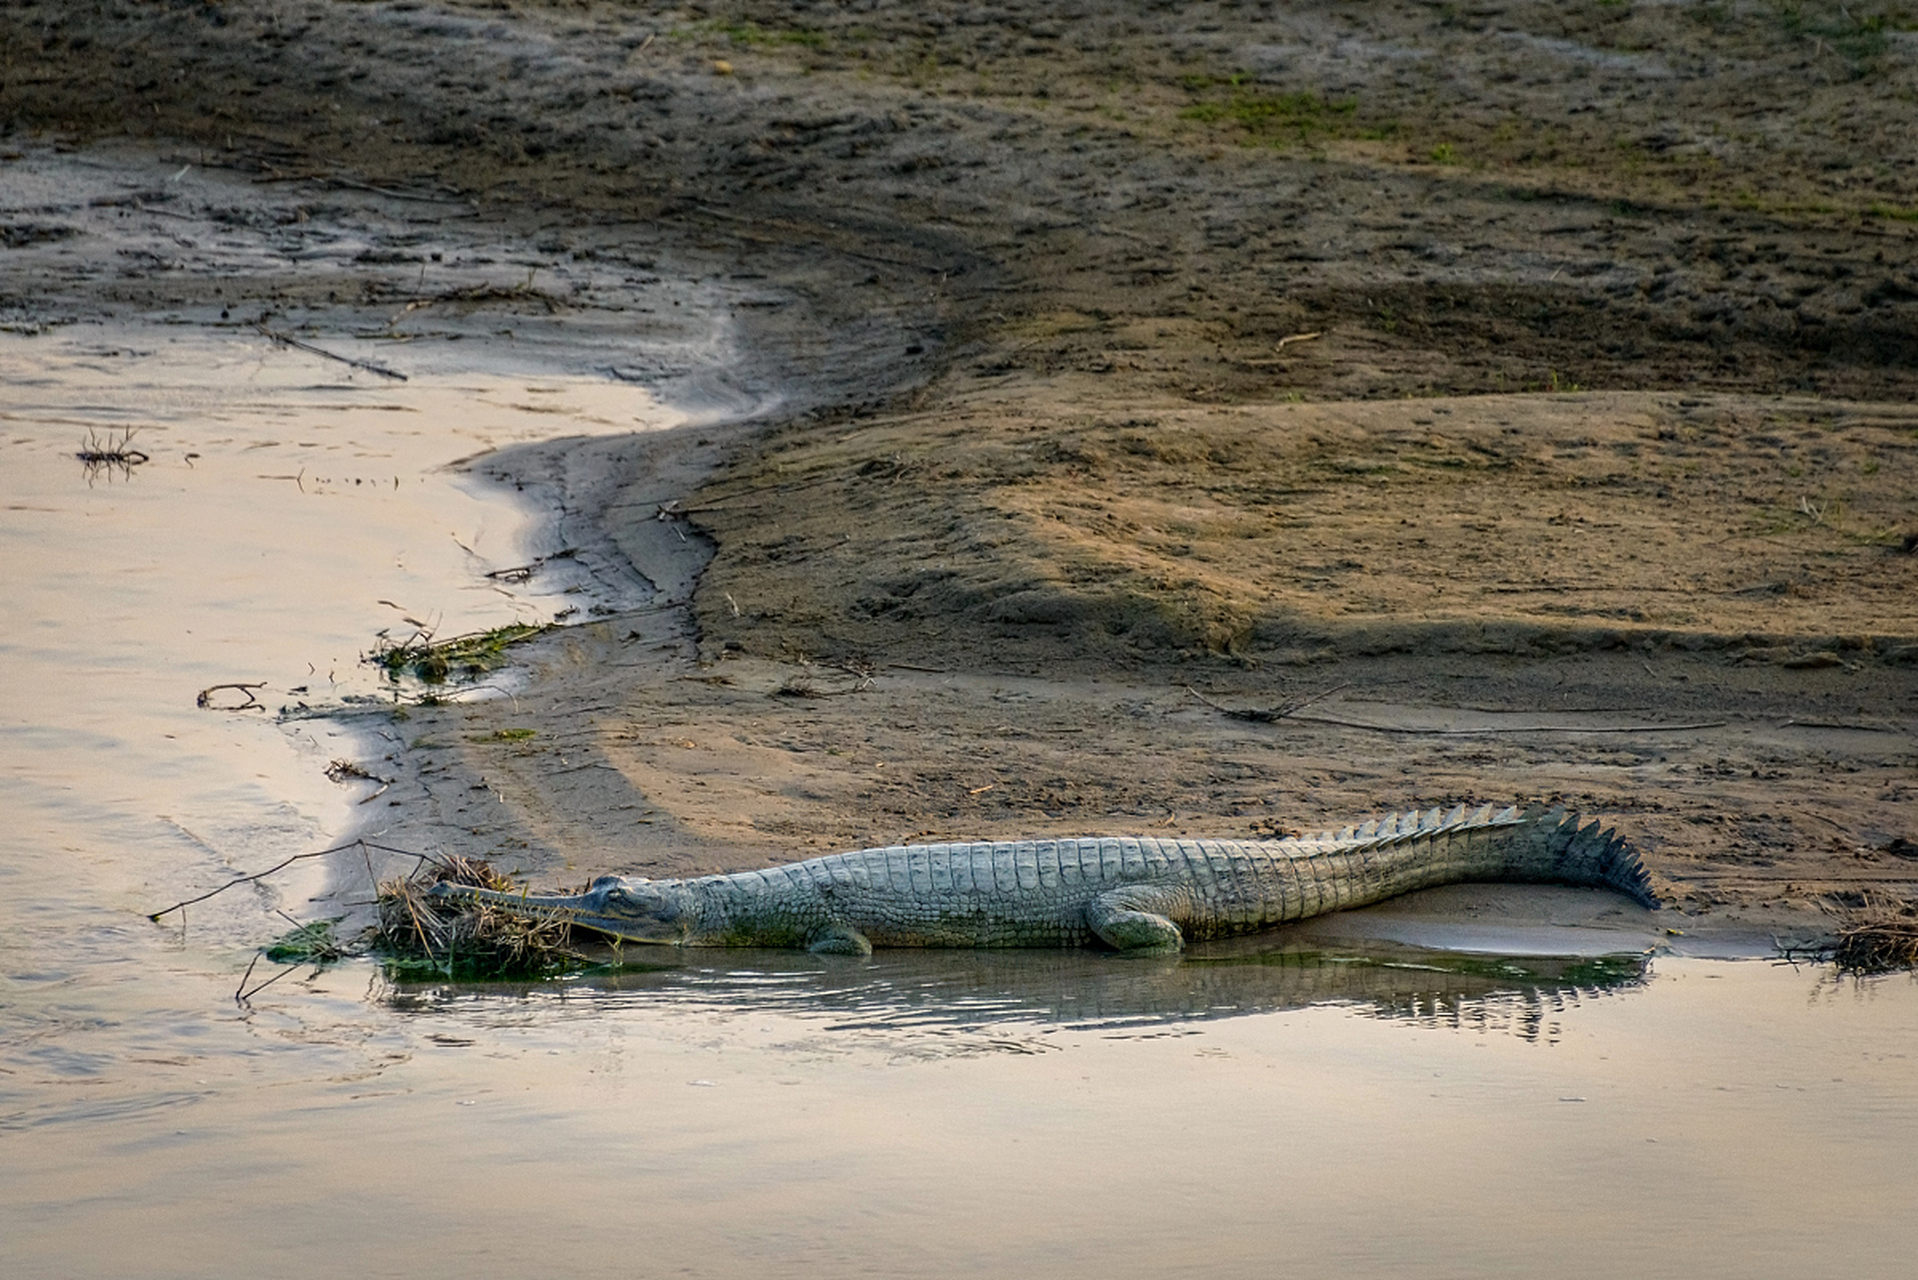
(1268, 1109)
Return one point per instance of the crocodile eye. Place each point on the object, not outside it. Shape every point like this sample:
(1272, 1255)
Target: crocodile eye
(639, 903)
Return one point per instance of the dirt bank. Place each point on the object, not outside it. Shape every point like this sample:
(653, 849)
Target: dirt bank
(1528, 385)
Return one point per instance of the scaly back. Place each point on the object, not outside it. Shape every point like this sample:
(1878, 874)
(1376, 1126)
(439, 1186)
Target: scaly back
(1296, 876)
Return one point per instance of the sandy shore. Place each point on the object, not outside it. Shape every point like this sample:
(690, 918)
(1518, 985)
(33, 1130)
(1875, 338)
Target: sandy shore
(1511, 404)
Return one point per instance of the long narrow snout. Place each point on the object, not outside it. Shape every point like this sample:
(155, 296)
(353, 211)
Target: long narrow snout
(549, 905)
(631, 910)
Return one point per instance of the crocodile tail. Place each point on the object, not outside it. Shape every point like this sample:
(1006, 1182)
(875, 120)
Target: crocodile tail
(1570, 854)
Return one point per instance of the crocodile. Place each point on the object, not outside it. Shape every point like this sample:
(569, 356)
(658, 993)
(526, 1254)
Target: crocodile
(1131, 893)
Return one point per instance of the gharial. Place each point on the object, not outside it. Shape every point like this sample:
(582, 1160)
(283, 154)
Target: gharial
(1132, 893)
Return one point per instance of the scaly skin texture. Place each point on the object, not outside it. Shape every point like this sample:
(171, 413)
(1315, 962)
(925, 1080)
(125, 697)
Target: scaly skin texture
(1130, 893)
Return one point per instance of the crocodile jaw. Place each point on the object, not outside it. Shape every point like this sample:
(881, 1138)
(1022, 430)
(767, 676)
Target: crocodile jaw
(631, 910)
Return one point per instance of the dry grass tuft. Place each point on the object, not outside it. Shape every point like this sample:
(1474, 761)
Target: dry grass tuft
(424, 938)
(1879, 937)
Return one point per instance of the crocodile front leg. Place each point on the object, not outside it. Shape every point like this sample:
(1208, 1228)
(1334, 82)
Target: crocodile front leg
(1133, 920)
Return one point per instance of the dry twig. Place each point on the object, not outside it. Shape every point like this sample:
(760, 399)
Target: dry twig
(362, 845)
(205, 698)
(310, 349)
(1266, 715)
(111, 452)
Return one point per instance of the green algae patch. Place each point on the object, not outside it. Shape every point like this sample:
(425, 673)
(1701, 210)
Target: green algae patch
(309, 943)
(504, 735)
(430, 662)
(1275, 117)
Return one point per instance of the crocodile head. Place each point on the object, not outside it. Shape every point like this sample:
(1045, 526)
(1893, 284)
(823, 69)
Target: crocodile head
(635, 910)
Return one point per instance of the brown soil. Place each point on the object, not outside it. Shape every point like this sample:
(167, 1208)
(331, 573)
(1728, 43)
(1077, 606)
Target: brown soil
(1529, 384)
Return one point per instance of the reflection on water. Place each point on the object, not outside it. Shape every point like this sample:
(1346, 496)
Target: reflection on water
(928, 1117)
(904, 994)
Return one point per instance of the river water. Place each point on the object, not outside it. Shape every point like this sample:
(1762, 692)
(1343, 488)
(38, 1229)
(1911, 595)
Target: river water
(1285, 1106)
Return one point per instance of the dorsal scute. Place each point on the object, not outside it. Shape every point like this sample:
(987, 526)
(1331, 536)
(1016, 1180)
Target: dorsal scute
(1413, 824)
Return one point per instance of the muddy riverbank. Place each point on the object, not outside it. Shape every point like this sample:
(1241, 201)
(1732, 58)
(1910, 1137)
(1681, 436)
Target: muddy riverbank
(1527, 387)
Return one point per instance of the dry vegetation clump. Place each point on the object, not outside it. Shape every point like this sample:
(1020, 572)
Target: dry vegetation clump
(421, 937)
(1879, 937)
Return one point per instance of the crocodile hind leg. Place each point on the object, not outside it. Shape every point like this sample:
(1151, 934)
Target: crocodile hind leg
(839, 940)
(1126, 920)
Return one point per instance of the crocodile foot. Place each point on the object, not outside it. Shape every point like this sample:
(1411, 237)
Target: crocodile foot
(1123, 920)
(839, 940)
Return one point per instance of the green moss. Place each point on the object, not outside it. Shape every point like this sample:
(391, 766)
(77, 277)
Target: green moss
(1274, 117)
(463, 657)
(1857, 40)
(478, 966)
(750, 34)
(310, 943)
(505, 735)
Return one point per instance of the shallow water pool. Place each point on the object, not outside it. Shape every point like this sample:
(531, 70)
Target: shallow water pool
(759, 1114)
